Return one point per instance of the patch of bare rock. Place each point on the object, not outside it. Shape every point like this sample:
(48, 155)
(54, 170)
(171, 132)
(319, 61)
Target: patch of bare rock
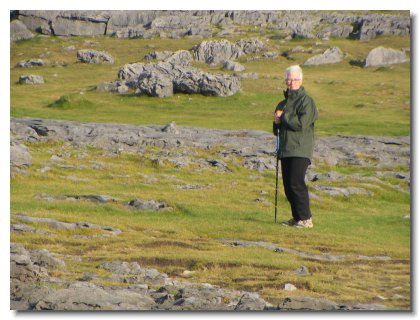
(33, 288)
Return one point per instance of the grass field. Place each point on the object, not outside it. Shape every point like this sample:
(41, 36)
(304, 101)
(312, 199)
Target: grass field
(351, 100)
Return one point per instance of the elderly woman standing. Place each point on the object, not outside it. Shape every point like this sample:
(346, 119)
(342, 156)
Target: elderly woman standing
(294, 120)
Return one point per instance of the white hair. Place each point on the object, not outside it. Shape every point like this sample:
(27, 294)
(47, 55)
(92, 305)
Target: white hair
(294, 69)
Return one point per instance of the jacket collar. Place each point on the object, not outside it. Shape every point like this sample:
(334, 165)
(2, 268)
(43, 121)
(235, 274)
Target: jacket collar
(292, 94)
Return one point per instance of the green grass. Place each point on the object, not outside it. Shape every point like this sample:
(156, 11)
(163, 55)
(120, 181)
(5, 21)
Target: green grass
(188, 238)
(351, 100)
(338, 90)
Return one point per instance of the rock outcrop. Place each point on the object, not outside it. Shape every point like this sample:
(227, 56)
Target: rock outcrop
(163, 79)
(255, 148)
(174, 24)
(33, 288)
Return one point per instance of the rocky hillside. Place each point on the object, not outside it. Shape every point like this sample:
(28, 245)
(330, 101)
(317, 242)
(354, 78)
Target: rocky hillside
(173, 24)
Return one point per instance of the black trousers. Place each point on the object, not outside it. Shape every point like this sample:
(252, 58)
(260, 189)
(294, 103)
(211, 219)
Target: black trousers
(293, 170)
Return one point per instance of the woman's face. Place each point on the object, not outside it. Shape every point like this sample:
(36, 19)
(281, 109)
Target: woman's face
(293, 81)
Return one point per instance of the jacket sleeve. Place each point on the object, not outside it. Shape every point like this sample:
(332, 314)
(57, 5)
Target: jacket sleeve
(304, 117)
(275, 128)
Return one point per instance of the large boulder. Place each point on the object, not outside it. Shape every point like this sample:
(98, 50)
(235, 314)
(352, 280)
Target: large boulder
(188, 81)
(132, 71)
(213, 52)
(250, 46)
(94, 56)
(20, 157)
(384, 56)
(219, 85)
(19, 31)
(330, 56)
(163, 79)
(155, 85)
(180, 57)
(31, 79)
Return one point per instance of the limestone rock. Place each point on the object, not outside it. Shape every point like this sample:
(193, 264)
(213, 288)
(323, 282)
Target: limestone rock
(233, 66)
(308, 303)
(68, 26)
(20, 157)
(19, 31)
(88, 296)
(179, 23)
(250, 46)
(139, 204)
(158, 55)
(30, 63)
(31, 79)
(163, 79)
(94, 56)
(335, 31)
(219, 85)
(214, 52)
(381, 56)
(250, 302)
(289, 287)
(155, 85)
(330, 56)
(180, 57)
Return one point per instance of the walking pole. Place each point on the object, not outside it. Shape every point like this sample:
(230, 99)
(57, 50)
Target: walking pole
(277, 173)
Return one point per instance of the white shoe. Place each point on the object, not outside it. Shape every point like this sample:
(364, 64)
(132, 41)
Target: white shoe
(304, 223)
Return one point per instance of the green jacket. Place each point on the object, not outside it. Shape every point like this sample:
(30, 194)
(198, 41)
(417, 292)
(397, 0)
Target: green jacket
(297, 124)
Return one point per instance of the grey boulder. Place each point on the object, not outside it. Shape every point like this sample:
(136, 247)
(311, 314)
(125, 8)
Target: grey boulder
(94, 56)
(20, 157)
(31, 79)
(381, 56)
(219, 85)
(233, 66)
(155, 85)
(214, 52)
(19, 31)
(30, 63)
(330, 56)
(163, 79)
